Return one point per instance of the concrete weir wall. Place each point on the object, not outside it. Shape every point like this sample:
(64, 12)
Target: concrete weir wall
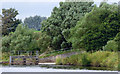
(53, 58)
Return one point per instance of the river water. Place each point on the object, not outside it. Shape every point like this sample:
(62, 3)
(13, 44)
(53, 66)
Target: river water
(43, 69)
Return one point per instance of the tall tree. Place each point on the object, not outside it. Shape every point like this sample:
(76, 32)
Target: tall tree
(23, 39)
(9, 20)
(96, 28)
(34, 22)
(0, 25)
(62, 19)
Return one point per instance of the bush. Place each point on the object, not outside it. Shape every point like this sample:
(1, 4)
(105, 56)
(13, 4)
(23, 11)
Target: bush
(85, 60)
(58, 61)
(111, 61)
(97, 59)
(111, 46)
(66, 61)
(73, 59)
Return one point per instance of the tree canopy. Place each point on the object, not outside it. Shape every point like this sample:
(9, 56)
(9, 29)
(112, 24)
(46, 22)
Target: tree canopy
(34, 22)
(97, 27)
(22, 39)
(62, 19)
(9, 20)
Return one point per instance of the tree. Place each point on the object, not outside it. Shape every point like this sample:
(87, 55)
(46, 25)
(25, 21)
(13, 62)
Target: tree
(34, 22)
(9, 20)
(97, 27)
(113, 45)
(62, 19)
(44, 42)
(23, 39)
(0, 25)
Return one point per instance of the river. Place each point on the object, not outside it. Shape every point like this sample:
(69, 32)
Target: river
(43, 69)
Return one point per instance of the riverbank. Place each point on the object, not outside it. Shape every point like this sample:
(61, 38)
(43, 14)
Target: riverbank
(97, 59)
(52, 58)
(4, 62)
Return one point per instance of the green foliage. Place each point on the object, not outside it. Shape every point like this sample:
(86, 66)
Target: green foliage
(111, 61)
(58, 61)
(111, 46)
(85, 60)
(117, 40)
(34, 22)
(44, 41)
(95, 28)
(97, 59)
(0, 25)
(9, 20)
(62, 19)
(5, 44)
(5, 56)
(22, 39)
(55, 53)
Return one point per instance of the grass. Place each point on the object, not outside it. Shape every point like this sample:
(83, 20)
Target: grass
(54, 53)
(0, 57)
(97, 59)
(5, 57)
(36, 31)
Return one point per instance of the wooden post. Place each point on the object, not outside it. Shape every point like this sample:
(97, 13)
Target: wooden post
(24, 60)
(37, 61)
(10, 60)
(36, 58)
(37, 53)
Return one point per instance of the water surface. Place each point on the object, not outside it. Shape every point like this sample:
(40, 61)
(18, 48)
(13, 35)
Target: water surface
(43, 69)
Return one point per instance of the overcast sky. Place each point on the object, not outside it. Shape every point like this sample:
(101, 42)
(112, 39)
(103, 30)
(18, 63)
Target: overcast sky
(28, 8)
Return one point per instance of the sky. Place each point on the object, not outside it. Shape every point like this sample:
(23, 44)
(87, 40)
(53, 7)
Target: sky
(28, 8)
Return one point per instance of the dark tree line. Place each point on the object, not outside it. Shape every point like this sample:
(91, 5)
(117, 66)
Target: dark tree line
(34, 22)
(9, 21)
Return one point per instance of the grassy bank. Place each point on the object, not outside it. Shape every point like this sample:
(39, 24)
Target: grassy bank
(97, 59)
(54, 53)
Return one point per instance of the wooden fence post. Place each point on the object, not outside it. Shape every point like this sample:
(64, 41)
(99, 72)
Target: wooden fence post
(24, 61)
(10, 60)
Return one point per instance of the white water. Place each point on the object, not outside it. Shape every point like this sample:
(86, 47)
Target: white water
(41, 69)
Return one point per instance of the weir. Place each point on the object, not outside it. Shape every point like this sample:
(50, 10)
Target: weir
(24, 60)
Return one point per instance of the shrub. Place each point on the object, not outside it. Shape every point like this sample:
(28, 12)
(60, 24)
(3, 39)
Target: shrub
(111, 61)
(66, 61)
(73, 59)
(58, 61)
(111, 46)
(85, 60)
(97, 59)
